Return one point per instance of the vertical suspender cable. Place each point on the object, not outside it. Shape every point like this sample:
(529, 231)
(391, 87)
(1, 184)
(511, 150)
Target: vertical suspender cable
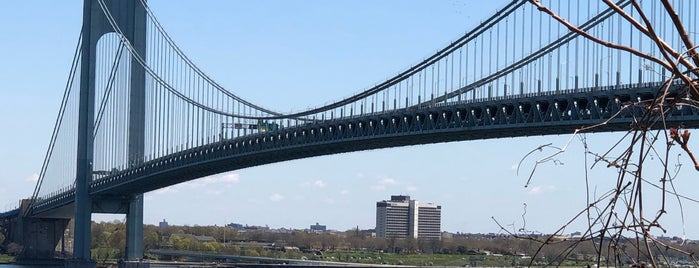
(481, 58)
(168, 109)
(460, 67)
(439, 79)
(432, 82)
(532, 70)
(59, 121)
(550, 74)
(452, 71)
(631, 34)
(188, 112)
(490, 56)
(566, 75)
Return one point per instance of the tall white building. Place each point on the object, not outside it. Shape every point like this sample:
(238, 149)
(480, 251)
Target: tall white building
(401, 217)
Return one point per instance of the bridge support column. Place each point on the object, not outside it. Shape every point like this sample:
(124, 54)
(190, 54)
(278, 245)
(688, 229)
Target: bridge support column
(130, 17)
(38, 237)
(134, 229)
(86, 123)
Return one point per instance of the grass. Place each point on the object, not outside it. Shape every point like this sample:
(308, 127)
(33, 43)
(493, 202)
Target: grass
(421, 259)
(4, 258)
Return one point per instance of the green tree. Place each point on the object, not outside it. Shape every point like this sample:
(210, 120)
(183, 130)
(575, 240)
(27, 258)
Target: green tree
(151, 241)
(97, 238)
(117, 243)
(233, 250)
(251, 252)
(212, 246)
(100, 254)
(184, 243)
(176, 242)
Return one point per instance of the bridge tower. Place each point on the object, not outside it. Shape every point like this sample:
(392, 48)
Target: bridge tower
(130, 16)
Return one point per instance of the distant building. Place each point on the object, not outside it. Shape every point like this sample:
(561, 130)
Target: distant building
(401, 217)
(242, 228)
(236, 226)
(163, 224)
(318, 228)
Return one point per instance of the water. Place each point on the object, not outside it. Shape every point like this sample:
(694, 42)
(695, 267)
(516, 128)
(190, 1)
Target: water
(25, 266)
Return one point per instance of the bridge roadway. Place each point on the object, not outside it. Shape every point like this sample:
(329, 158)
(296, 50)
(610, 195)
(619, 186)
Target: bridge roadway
(514, 116)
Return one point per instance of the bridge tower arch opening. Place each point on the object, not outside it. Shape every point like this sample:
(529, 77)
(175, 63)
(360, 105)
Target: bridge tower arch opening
(130, 16)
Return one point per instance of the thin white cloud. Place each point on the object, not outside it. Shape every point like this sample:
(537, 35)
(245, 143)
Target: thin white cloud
(276, 197)
(383, 183)
(319, 184)
(387, 181)
(33, 178)
(225, 178)
(411, 188)
(216, 182)
(314, 184)
(166, 190)
(541, 189)
(344, 192)
(215, 191)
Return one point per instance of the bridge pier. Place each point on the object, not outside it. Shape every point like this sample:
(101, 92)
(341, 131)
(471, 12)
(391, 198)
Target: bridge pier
(134, 229)
(132, 206)
(38, 237)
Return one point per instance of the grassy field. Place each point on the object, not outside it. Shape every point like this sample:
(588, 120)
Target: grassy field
(421, 259)
(6, 258)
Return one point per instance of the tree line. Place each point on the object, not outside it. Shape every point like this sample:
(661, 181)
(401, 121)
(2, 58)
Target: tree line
(108, 240)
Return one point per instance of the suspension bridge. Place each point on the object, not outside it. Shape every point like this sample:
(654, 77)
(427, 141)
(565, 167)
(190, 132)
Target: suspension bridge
(138, 115)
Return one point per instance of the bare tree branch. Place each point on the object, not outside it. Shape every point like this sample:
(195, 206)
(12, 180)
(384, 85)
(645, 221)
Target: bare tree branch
(681, 31)
(575, 29)
(648, 32)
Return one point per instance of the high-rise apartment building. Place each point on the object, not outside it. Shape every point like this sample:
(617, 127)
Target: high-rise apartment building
(401, 217)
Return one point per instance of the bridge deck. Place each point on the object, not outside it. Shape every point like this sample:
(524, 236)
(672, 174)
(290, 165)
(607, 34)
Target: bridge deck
(515, 116)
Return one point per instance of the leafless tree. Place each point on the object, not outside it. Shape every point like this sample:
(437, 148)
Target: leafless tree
(619, 229)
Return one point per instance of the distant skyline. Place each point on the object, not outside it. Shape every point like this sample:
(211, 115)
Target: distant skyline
(291, 55)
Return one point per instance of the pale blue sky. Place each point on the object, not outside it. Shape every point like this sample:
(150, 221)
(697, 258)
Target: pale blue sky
(291, 55)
